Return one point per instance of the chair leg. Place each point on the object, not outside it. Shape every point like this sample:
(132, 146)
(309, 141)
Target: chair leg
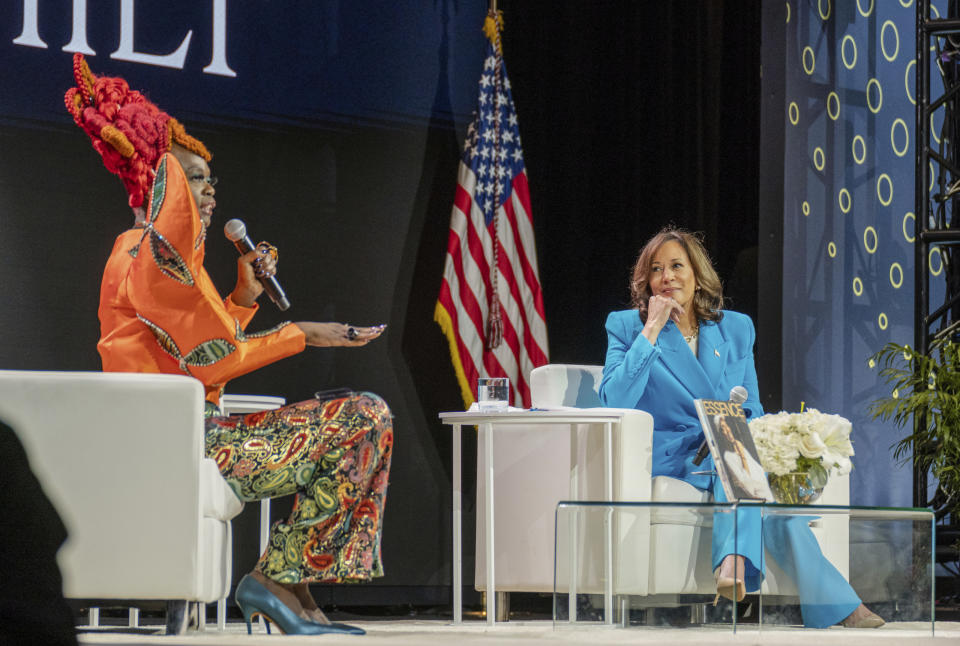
(698, 614)
(181, 617)
(503, 606)
(222, 615)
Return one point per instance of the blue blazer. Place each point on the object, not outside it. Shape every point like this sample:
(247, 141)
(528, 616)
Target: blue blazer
(664, 379)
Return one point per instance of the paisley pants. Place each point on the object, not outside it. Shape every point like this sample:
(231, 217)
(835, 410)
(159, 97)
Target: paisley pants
(335, 456)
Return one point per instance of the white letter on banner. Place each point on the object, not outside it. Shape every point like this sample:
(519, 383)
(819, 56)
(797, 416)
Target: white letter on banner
(78, 40)
(218, 62)
(125, 50)
(29, 37)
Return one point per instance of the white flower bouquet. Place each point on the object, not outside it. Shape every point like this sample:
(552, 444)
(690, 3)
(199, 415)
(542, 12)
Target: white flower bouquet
(800, 450)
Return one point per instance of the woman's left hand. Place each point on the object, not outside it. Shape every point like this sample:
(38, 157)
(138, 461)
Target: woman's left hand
(338, 334)
(262, 261)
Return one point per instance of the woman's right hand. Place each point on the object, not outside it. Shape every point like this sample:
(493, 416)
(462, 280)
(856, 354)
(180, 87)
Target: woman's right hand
(338, 334)
(660, 309)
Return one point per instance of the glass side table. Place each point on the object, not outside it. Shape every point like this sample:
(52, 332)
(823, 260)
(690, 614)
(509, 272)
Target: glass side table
(652, 562)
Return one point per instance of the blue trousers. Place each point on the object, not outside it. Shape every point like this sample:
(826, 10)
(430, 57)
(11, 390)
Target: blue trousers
(825, 596)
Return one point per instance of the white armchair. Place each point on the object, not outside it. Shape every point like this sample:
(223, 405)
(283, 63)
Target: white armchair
(121, 457)
(657, 555)
(533, 473)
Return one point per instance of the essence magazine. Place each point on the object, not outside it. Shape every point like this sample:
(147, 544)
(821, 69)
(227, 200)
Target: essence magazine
(734, 453)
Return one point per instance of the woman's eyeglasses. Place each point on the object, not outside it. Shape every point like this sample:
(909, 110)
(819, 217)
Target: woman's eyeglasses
(212, 180)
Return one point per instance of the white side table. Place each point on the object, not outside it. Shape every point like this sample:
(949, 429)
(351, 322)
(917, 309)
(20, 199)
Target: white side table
(606, 416)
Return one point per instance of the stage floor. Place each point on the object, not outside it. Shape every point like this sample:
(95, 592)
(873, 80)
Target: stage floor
(420, 632)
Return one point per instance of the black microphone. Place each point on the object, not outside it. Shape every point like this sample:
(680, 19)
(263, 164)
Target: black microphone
(236, 232)
(738, 395)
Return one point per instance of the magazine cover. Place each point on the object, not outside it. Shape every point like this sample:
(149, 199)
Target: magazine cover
(734, 453)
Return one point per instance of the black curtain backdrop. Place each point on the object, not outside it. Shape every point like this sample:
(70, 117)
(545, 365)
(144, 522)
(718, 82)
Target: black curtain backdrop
(633, 115)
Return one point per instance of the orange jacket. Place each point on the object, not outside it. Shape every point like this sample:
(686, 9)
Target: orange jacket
(159, 310)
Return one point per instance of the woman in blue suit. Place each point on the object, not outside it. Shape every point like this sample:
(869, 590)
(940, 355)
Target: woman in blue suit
(678, 345)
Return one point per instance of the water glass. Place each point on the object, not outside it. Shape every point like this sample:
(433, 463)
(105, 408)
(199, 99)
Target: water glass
(493, 394)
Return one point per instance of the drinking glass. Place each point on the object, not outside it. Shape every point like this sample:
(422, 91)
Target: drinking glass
(493, 394)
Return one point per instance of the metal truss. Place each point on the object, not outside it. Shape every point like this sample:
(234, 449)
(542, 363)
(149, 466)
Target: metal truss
(937, 207)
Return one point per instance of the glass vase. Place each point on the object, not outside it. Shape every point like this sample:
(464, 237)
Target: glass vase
(794, 488)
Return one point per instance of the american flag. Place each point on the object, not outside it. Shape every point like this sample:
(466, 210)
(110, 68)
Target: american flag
(493, 321)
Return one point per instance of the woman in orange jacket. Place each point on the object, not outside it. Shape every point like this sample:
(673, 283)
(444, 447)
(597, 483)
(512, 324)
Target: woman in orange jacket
(160, 312)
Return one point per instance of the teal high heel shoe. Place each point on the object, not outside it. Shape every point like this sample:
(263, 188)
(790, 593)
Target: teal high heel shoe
(254, 599)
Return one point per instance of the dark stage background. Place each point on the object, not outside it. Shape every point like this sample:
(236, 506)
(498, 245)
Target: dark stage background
(633, 115)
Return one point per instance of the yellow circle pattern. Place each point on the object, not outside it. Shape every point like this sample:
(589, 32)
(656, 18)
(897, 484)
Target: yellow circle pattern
(863, 149)
(870, 232)
(896, 282)
(896, 50)
(813, 60)
(933, 128)
(875, 82)
(909, 216)
(844, 196)
(906, 81)
(893, 137)
(843, 51)
(935, 250)
(823, 15)
(885, 179)
(886, 39)
(832, 97)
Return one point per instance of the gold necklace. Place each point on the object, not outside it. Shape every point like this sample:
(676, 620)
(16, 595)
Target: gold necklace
(693, 335)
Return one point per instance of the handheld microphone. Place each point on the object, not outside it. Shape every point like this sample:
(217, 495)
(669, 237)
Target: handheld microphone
(236, 232)
(738, 395)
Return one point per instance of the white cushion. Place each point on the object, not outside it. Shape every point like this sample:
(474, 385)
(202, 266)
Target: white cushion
(217, 499)
(216, 552)
(667, 489)
(556, 385)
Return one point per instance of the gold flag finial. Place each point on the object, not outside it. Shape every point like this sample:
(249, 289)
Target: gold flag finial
(492, 26)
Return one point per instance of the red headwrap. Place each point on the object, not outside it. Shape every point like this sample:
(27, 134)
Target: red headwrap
(129, 132)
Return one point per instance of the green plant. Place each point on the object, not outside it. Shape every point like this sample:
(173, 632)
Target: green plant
(925, 397)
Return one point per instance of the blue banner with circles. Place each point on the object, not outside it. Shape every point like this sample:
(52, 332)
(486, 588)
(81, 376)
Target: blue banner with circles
(848, 266)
